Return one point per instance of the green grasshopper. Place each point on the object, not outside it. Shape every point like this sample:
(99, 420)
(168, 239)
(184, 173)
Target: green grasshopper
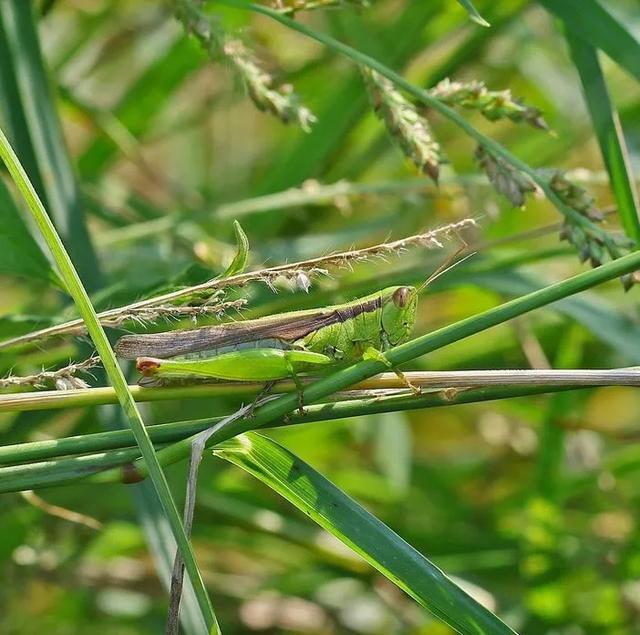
(279, 346)
(282, 346)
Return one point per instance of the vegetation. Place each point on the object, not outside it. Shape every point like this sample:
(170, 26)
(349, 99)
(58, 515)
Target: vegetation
(189, 163)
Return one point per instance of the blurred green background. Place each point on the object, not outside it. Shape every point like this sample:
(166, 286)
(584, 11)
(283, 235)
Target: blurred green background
(530, 503)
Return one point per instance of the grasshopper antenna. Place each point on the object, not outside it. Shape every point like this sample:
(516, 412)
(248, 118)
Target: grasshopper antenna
(452, 261)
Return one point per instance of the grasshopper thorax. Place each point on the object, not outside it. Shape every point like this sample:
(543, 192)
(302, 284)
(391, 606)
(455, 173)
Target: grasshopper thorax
(399, 306)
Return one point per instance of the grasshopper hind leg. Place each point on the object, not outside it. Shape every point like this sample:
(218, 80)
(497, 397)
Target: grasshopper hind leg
(379, 356)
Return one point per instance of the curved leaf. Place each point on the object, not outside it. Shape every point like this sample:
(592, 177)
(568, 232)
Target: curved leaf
(348, 521)
(473, 13)
(605, 31)
(239, 262)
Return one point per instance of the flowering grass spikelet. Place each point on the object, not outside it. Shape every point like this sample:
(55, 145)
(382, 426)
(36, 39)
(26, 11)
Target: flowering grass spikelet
(493, 104)
(507, 180)
(590, 245)
(410, 130)
(282, 102)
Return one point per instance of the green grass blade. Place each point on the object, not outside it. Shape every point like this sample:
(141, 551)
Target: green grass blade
(473, 13)
(32, 115)
(550, 461)
(241, 258)
(593, 19)
(61, 192)
(11, 111)
(83, 303)
(601, 318)
(606, 124)
(342, 516)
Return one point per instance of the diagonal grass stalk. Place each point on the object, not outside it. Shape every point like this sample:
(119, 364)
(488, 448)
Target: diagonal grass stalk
(342, 379)
(78, 293)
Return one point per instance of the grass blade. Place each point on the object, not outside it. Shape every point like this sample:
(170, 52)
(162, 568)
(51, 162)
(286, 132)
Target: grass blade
(81, 298)
(473, 13)
(19, 253)
(605, 31)
(601, 318)
(607, 128)
(43, 129)
(239, 262)
(13, 118)
(342, 516)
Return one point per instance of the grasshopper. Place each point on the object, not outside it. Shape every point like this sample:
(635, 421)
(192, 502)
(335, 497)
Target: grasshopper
(282, 346)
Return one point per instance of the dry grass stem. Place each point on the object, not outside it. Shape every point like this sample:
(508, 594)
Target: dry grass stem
(61, 512)
(63, 378)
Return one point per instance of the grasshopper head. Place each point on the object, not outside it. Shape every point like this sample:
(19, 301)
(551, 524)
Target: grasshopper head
(399, 305)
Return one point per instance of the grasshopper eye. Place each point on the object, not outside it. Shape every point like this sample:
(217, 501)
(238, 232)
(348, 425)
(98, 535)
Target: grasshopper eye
(401, 297)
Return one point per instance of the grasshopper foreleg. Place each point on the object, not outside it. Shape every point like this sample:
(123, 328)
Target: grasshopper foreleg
(299, 389)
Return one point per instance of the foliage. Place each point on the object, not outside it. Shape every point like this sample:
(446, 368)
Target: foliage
(146, 130)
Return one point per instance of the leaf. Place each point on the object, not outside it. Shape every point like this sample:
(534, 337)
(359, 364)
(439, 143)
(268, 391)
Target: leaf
(473, 13)
(20, 255)
(607, 128)
(56, 179)
(81, 299)
(604, 30)
(342, 516)
(239, 262)
(393, 447)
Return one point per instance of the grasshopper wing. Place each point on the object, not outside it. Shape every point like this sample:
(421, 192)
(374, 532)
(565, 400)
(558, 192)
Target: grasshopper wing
(287, 327)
